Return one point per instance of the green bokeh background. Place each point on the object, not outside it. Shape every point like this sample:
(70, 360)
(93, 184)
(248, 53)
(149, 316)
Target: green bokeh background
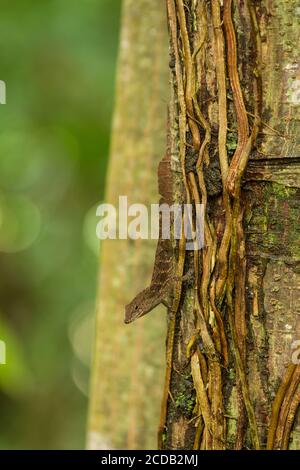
(58, 60)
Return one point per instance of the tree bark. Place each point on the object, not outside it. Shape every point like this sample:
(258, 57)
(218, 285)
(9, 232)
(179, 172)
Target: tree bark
(234, 120)
(127, 370)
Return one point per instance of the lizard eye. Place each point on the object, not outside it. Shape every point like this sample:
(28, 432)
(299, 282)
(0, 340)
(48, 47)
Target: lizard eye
(136, 307)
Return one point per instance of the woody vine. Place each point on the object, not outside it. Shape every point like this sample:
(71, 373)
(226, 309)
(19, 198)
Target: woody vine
(213, 159)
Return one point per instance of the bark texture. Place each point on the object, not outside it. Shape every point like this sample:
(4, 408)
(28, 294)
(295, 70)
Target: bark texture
(235, 108)
(128, 361)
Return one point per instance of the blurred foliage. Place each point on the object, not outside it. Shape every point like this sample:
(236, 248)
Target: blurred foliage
(58, 61)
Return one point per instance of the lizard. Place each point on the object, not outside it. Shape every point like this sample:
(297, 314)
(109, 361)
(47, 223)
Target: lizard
(163, 272)
(166, 283)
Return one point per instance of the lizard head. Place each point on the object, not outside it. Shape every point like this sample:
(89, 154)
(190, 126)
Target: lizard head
(137, 308)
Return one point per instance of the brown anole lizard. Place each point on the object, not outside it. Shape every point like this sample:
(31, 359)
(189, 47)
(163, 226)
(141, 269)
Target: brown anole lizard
(166, 283)
(163, 272)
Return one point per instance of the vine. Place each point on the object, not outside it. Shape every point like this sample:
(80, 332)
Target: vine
(284, 409)
(220, 269)
(220, 328)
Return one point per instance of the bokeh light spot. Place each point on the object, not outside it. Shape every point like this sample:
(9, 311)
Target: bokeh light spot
(20, 223)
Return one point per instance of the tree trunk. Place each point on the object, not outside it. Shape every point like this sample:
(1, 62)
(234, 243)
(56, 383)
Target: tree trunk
(127, 372)
(234, 120)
